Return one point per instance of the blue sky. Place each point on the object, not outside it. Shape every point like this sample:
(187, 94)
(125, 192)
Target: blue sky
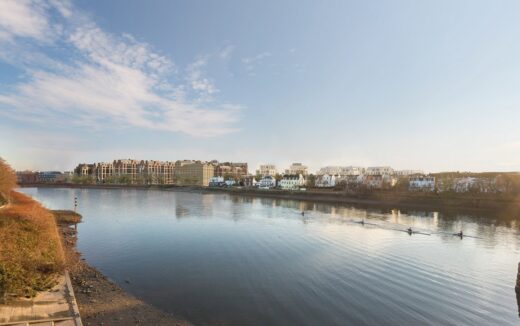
(429, 85)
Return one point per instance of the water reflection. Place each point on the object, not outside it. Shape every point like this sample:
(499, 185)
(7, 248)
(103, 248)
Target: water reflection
(493, 227)
(244, 260)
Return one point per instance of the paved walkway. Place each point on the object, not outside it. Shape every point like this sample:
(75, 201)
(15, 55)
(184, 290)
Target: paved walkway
(54, 307)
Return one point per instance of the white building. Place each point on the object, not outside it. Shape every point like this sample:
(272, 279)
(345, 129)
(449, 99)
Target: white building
(325, 181)
(422, 183)
(216, 181)
(267, 169)
(379, 170)
(230, 182)
(292, 182)
(267, 182)
(296, 168)
(341, 170)
(464, 184)
(379, 181)
(350, 180)
(405, 173)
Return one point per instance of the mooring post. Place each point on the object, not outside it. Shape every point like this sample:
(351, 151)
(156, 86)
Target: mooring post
(517, 289)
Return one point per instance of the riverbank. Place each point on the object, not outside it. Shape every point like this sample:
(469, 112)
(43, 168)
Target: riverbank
(102, 302)
(30, 249)
(389, 199)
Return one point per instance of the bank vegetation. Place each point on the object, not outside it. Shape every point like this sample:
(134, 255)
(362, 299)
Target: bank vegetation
(30, 249)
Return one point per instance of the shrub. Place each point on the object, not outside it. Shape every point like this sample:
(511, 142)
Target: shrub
(30, 247)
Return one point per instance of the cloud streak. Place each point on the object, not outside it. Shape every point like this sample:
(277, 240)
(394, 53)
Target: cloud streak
(100, 79)
(251, 62)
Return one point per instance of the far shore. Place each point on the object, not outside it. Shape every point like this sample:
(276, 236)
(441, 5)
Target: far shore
(449, 201)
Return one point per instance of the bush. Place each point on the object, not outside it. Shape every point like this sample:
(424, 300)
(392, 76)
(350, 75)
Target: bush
(30, 247)
(7, 181)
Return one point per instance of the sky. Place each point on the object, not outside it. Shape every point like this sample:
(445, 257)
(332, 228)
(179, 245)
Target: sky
(431, 85)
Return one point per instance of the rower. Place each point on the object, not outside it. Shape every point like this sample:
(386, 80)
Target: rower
(409, 230)
(362, 222)
(303, 213)
(460, 234)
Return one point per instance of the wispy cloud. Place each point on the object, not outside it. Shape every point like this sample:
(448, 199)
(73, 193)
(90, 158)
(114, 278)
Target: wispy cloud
(226, 51)
(251, 62)
(100, 79)
(23, 18)
(197, 78)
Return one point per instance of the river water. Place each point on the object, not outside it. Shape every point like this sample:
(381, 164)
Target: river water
(229, 260)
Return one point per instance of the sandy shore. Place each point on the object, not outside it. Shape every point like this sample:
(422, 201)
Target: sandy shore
(100, 301)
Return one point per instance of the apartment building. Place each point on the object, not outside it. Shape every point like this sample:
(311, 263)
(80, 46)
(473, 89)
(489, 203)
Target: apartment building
(296, 168)
(341, 170)
(129, 171)
(267, 170)
(189, 173)
(236, 171)
(379, 170)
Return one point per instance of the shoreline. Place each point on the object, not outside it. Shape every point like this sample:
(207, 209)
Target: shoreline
(442, 202)
(101, 301)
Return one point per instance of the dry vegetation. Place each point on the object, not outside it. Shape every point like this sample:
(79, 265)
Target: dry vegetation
(66, 217)
(30, 248)
(7, 181)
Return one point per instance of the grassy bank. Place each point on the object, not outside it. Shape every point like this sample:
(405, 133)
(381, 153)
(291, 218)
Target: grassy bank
(30, 248)
(66, 217)
(31, 252)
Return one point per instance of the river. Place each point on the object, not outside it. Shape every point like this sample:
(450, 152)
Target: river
(231, 260)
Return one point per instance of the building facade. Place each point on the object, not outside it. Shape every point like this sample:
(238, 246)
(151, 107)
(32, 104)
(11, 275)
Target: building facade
(216, 182)
(267, 182)
(296, 168)
(249, 181)
(379, 170)
(421, 183)
(50, 176)
(236, 171)
(379, 181)
(341, 170)
(406, 173)
(128, 171)
(193, 173)
(325, 181)
(292, 182)
(267, 170)
(24, 177)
